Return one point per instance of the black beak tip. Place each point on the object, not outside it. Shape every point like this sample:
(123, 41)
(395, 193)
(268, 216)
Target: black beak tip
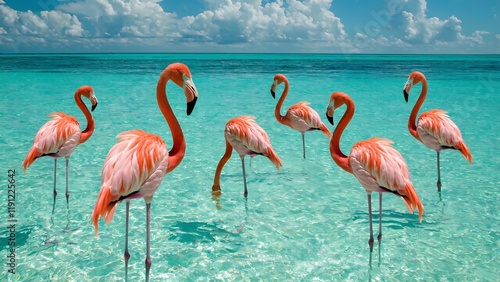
(406, 95)
(93, 107)
(190, 106)
(273, 93)
(330, 119)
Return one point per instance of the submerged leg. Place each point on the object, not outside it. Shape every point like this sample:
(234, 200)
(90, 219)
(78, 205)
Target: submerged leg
(126, 254)
(55, 169)
(245, 193)
(370, 241)
(439, 173)
(303, 144)
(379, 237)
(67, 192)
(148, 257)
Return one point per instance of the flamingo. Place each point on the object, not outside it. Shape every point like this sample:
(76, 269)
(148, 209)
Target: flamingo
(300, 116)
(247, 138)
(60, 136)
(434, 128)
(137, 163)
(374, 162)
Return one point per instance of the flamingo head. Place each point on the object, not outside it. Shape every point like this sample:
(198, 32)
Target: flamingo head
(179, 73)
(88, 92)
(337, 99)
(278, 79)
(414, 78)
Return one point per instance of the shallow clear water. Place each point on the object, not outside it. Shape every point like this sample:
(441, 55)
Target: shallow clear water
(307, 222)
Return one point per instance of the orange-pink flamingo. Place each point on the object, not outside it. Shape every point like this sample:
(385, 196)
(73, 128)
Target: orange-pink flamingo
(247, 138)
(374, 162)
(137, 163)
(60, 136)
(434, 128)
(300, 116)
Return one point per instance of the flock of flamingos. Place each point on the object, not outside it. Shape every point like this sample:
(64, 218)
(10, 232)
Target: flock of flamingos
(137, 163)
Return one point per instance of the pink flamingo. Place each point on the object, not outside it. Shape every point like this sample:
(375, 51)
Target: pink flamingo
(60, 136)
(374, 162)
(136, 165)
(434, 128)
(247, 138)
(300, 116)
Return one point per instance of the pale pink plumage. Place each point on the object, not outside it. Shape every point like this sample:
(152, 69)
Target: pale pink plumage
(299, 116)
(247, 138)
(434, 128)
(138, 162)
(374, 162)
(60, 136)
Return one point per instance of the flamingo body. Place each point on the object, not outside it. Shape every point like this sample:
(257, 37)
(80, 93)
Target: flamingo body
(381, 168)
(438, 132)
(136, 165)
(374, 162)
(133, 168)
(299, 116)
(433, 128)
(57, 138)
(60, 136)
(247, 138)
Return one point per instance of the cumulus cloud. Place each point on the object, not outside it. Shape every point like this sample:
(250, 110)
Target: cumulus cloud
(27, 27)
(236, 22)
(406, 24)
(247, 25)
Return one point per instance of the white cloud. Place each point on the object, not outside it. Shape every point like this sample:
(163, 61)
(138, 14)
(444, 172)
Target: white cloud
(245, 25)
(237, 22)
(27, 27)
(497, 36)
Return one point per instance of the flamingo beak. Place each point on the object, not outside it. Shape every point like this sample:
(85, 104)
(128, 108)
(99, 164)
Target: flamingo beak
(330, 119)
(93, 100)
(273, 89)
(407, 88)
(191, 94)
(190, 106)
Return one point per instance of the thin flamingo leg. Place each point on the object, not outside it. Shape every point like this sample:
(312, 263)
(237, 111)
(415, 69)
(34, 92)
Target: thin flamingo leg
(67, 191)
(303, 144)
(245, 193)
(126, 254)
(370, 241)
(439, 173)
(55, 169)
(379, 237)
(148, 256)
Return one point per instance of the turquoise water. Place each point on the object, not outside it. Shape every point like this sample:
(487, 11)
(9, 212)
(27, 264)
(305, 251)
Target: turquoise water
(307, 222)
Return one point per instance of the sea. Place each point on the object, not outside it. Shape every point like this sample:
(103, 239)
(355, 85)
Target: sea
(306, 222)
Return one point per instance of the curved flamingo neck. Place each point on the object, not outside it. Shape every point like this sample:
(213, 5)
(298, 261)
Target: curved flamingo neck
(222, 162)
(340, 158)
(277, 110)
(87, 132)
(412, 124)
(176, 154)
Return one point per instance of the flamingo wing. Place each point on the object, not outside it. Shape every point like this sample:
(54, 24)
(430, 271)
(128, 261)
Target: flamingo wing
(58, 137)
(133, 168)
(437, 125)
(304, 118)
(246, 131)
(131, 161)
(248, 138)
(381, 168)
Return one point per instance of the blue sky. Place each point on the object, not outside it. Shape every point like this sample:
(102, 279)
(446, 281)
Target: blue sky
(275, 26)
